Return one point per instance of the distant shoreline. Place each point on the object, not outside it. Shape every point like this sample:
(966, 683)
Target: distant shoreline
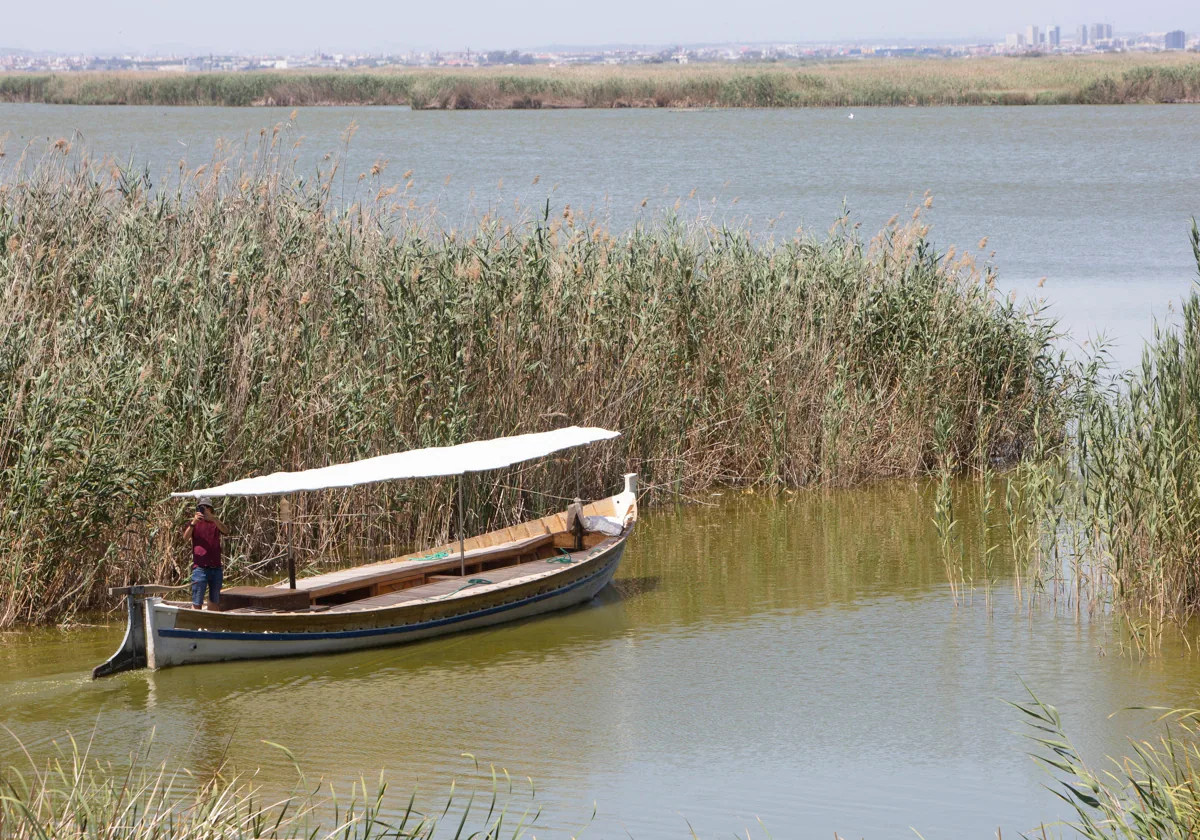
(1047, 80)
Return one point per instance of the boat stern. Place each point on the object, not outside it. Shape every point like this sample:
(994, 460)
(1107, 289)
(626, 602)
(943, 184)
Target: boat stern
(133, 652)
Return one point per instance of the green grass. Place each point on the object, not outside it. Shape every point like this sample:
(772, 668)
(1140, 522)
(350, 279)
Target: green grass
(241, 323)
(1097, 79)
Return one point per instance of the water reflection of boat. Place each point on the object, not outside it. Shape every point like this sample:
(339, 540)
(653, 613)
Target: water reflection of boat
(529, 569)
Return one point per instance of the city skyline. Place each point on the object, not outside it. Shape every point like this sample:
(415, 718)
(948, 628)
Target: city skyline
(139, 27)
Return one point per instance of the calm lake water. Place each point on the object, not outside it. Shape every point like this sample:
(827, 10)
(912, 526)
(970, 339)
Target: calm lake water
(796, 661)
(1094, 199)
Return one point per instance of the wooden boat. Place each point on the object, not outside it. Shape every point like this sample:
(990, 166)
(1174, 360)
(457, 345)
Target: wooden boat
(526, 570)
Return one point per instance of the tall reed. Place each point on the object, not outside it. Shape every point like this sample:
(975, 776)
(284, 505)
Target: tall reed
(1109, 516)
(1139, 467)
(243, 320)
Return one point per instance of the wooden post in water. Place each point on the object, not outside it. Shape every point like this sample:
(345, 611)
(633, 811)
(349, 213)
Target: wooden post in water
(462, 551)
(285, 520)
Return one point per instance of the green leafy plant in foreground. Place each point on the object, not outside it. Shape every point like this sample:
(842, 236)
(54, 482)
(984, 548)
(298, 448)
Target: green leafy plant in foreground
(73, 797)
(1152, 794)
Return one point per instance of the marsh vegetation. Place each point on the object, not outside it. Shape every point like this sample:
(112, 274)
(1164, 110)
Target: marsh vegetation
(1040, 80)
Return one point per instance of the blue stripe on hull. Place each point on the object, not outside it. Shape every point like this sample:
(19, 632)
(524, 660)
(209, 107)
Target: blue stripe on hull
(378, 631)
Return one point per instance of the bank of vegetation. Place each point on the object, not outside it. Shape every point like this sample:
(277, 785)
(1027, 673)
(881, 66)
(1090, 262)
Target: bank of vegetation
(1041, 80)
(245, 321)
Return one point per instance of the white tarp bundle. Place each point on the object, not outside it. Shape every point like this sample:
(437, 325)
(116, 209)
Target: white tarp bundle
(417, 463)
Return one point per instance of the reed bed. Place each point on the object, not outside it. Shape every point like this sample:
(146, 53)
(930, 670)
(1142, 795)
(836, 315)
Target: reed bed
(72, 796)
(1042, 80)
(1139, 468)
(243, 320)
(1108, 516)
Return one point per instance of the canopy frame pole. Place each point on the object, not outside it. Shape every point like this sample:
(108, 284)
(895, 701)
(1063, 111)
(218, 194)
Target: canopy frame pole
(462, 541)
(577, 496)
(285, 505)
(291, 561)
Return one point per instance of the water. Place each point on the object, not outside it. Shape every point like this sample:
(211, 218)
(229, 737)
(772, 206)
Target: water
(797, 661)
(1094, 199)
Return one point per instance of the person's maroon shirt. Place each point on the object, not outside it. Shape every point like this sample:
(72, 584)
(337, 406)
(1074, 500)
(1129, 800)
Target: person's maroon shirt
(206, 545)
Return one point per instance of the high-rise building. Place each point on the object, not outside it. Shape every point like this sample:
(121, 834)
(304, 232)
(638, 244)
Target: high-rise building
(1081, 35)
(1101, 32)
(1053, 37)
(1031, 35)
(1176, 40)
(1014, 40)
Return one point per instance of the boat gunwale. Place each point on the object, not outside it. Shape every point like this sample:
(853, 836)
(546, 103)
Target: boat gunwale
(600, 552)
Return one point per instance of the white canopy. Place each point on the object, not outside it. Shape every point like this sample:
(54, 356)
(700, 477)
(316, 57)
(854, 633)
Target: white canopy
(416, 463)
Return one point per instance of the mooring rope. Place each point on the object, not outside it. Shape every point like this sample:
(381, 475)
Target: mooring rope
(470, 582)
(437, 555)
(535, 492)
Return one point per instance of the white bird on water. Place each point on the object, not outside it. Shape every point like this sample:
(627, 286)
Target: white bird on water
(851, 116)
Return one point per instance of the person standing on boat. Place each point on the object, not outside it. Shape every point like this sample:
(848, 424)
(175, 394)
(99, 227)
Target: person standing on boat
(205, 532)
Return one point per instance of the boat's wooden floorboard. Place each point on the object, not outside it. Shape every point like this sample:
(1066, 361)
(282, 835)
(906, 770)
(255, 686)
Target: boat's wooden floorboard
(445, 588)
(365, 574)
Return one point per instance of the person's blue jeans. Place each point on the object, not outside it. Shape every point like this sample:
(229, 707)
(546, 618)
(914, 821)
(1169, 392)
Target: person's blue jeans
(209, 579)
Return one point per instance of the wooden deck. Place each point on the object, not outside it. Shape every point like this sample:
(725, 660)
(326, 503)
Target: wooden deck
(446, 586)
(378, 575)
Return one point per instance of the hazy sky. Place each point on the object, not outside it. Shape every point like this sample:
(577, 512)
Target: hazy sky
(251, 26)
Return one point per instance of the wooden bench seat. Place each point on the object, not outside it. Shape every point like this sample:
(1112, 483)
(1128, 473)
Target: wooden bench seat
(262, 597)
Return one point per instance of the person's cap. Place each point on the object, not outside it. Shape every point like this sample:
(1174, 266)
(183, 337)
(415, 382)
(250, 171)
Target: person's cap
(204, 501)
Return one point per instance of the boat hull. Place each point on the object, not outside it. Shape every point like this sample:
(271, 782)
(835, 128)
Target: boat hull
(176, 635)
